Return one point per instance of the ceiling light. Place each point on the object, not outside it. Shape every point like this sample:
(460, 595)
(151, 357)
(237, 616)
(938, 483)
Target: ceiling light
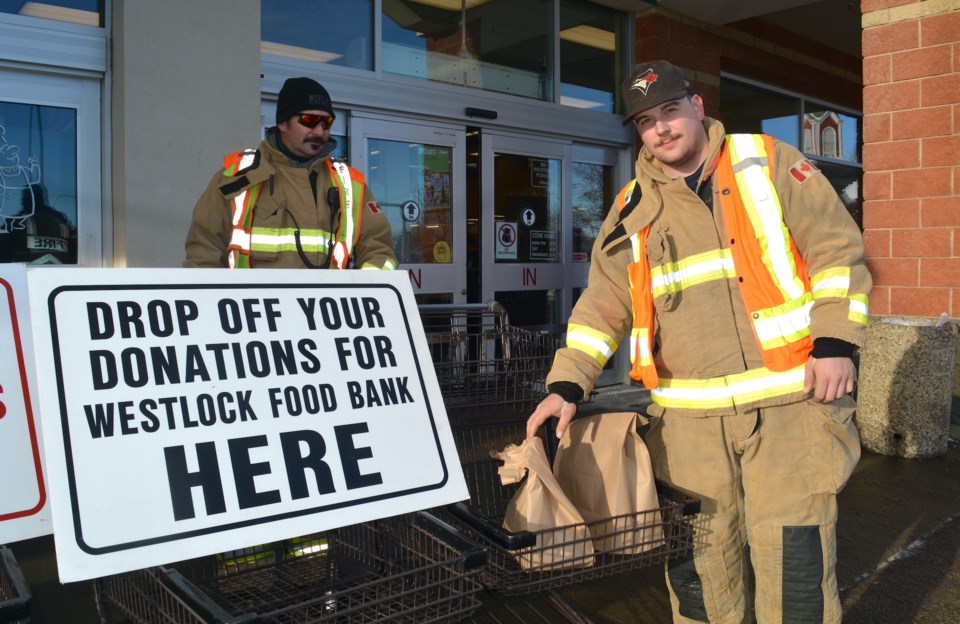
(280, 49)
(591, 37)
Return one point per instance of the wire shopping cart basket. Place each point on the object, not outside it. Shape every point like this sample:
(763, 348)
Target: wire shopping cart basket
(527, 561)
(482, 362)
(408, 569)
(15, 596)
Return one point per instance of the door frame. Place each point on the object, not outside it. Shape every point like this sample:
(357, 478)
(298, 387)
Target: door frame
(518, 275)
(425, 278)
(82, 95)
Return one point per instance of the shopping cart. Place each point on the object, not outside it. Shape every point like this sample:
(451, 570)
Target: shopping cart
(483, 363)
(629, 541)
(15, 596)
(408, 569)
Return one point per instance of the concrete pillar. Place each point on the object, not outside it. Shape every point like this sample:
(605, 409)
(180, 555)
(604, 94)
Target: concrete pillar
(907, 375)
(185, 92)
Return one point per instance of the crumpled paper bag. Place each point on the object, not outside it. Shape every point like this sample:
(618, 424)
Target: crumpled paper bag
(604, 468)
(541, 507)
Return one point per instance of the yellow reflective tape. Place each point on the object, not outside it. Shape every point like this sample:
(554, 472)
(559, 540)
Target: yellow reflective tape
(596, 344)
(783, 324)
(762, 204)
(284, 239)
(834, 282)
(859, 311)
(673, 277)
(728, 391)
(640, 346)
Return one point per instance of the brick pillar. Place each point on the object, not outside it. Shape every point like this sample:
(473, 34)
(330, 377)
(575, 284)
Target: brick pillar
(911, 155)
(911, 161)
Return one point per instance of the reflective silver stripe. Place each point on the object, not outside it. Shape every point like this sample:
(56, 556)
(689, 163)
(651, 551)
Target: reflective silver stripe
(729, 390)
(238, 207)
(760, 198)
(288, 240)
(753, 161)
(343, 172)
(774, 331)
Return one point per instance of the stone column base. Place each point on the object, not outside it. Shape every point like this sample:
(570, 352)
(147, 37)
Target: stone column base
(906, 380)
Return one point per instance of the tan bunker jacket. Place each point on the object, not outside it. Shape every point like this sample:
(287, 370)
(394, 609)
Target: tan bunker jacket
(704, 342)
(285, 205)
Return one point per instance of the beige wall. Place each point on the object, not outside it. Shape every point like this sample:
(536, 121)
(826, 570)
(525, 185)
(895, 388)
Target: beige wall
(185, 92)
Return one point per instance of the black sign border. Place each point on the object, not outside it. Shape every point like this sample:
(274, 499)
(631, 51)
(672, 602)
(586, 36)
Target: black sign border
(68, 448)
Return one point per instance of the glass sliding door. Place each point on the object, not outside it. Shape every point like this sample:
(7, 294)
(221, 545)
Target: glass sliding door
(50, 194)
(416, 173)
(524, 235)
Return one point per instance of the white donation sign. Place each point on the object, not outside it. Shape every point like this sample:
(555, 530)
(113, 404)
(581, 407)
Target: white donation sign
(195, 411)
(24, 512)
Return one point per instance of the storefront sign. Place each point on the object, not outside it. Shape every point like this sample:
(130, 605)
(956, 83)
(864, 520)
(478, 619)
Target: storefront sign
(190, 412)
(506, 241)
(543, 245)
(539, 173)
(24, 512)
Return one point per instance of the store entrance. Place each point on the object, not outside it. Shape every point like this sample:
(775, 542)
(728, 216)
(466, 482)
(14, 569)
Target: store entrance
(521, 227)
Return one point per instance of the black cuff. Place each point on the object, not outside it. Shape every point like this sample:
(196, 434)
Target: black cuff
(571, 392)
(831, 347)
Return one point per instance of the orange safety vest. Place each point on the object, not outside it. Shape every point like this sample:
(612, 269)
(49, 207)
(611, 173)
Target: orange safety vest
(773, 280)
(349, 183)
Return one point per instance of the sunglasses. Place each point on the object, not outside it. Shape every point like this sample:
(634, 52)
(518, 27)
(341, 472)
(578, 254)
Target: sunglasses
(312, 120)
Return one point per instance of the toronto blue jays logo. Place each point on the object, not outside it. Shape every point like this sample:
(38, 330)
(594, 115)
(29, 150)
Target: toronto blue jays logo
(643, 82)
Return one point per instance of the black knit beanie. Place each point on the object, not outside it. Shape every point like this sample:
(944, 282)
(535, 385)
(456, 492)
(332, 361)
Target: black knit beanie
(300, 94)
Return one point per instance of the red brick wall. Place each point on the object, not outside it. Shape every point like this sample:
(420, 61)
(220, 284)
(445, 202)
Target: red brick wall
(911, 155)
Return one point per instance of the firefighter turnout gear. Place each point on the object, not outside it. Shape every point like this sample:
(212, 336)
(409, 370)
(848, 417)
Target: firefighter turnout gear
(261, 212)
(720, 289)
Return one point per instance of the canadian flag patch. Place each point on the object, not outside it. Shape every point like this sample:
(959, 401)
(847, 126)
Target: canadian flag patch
(374, 207)
(803, 170)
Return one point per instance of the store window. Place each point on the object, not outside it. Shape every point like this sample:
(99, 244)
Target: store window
(332, 32)
(87, 12)
(592, 197)
(38, 184)
(591, 40)
(504, 46)
(829, 135)
(495, 45)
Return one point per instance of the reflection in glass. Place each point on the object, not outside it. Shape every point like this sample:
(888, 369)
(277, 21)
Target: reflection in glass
(846, 182)
(334, 32)
(38, 184)
(496, 45)
(536, 310)
(827, 136)
(87, 12)
(745, 108)
(591, 37)
(592, 196)
(831, 134)
(527, 205)
(412, 183)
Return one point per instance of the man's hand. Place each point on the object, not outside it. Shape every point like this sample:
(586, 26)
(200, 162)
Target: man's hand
(553, 405)
(827, 378)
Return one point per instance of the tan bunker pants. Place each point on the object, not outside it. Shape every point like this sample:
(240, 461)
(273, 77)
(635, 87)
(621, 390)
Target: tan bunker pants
(768, 480)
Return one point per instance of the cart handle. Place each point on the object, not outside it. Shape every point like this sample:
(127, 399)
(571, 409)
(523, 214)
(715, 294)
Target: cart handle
(201, 603)
(474, 555)
(19, 607)
(689, 506)
(506, 539)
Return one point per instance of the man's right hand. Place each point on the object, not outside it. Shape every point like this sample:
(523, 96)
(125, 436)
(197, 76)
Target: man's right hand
(553, 405)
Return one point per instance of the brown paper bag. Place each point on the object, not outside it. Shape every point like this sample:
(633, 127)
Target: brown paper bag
(604, 467)
(540, 506)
